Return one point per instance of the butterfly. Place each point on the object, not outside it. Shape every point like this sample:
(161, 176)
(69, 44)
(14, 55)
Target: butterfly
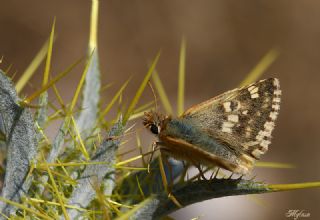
(231, 130)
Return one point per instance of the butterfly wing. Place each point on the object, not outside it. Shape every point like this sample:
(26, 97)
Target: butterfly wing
(243, 118)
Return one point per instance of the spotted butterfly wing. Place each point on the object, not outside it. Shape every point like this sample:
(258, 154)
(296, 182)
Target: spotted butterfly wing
(241, 119)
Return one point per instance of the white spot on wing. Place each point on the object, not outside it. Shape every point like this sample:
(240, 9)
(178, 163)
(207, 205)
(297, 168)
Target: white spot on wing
(233, 118)
(273, 115)
(275, 99)
(276, 83)
(269, 125)
(251, 88)
(257, 153)
(276, 107)
(253, 91)
(227, 124)
(226, 106)
(277, 92)
(260, 136)
(265, 144)
(226, 129)
(255, 95)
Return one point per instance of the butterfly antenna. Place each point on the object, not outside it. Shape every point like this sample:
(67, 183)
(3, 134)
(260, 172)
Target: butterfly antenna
(154, 95)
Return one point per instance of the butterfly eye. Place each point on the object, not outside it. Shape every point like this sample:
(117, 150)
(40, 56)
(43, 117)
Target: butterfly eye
(154, 129)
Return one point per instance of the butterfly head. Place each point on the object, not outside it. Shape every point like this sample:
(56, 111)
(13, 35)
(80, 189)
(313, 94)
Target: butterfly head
(154, 121)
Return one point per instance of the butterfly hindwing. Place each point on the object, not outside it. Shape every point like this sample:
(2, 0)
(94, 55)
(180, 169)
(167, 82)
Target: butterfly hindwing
(242, 118)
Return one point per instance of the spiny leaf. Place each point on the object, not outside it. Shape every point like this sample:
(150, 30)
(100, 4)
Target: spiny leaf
(192, 192)
(157, 206)
(91, 91)
(20, 141)
(91, 97)
(84, 192)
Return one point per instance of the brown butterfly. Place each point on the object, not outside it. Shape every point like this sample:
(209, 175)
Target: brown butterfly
(231, 130)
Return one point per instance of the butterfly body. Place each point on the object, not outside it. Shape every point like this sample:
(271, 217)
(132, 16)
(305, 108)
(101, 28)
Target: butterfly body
(231, 130)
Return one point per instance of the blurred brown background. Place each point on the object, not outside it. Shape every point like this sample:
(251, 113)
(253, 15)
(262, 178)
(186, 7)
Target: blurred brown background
(225, 39)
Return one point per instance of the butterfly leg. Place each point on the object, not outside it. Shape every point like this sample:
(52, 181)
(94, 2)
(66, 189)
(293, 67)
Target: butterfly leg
(216, 174)
(211, 176)
(230, 176)
(240, 177)
(198, 166)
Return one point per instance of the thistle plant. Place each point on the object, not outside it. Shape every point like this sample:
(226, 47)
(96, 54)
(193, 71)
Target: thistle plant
(80, 174)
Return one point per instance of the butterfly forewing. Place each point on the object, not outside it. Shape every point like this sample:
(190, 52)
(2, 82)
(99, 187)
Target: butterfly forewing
(243, 118)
